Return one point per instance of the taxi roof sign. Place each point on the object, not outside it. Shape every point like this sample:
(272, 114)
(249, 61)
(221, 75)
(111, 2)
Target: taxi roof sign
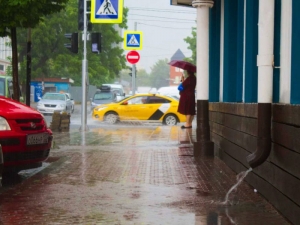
(133, 40)
(107, 11)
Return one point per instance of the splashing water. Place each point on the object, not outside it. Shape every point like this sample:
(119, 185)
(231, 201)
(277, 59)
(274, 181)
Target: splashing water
(240, 177)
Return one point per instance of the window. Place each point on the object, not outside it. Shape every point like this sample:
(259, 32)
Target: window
(103, 96)
(138, 100)
(157, 100)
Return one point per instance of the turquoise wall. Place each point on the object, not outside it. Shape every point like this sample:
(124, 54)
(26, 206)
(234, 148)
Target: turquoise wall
(214, 51)
(295, 70)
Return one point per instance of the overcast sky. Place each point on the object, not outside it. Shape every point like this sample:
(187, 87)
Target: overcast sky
(164, 27)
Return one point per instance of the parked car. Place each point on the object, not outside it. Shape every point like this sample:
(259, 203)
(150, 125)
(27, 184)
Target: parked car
(24, 136)
(6, 87)
(72, 101)
(118, 89)
(170, 91)
(104, 95)
(144, 107)
(1, 163)
(51, 102)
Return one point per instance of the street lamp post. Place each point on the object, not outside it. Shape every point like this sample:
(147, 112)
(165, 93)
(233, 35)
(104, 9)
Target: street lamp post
(84, 126)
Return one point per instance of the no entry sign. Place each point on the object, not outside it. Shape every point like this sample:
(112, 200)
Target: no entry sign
(133, 57)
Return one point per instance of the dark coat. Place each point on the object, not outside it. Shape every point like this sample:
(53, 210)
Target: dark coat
(187, 100)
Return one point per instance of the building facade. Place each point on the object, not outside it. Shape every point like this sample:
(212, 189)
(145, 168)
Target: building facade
(176, 73)
(244, 74)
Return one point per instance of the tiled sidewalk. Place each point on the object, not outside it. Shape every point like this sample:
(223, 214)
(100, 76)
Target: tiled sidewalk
(133, 175)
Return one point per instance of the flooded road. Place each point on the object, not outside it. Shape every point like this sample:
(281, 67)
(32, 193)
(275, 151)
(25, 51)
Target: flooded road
(132, 174)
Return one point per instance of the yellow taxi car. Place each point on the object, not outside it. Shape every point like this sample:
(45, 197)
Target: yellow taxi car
(143, 107)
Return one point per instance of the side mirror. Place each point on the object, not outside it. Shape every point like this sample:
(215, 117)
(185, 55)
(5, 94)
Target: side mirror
(125, 103)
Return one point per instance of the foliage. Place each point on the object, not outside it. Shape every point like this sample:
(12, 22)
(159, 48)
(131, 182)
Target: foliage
(160, 74)
(51, 59)
(143, 78)
(25, 14)
(192, 46)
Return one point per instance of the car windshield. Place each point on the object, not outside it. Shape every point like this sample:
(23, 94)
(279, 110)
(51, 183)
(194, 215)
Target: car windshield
(54, 97)
(103, 96)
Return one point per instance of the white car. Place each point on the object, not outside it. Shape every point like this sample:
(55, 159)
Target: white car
(118, 89)
(72, 101)
(169, 91)
(54, 102)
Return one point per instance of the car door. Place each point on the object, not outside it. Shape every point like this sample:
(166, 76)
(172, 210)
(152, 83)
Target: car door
(157, 108)
(135, 108)
(68, 103)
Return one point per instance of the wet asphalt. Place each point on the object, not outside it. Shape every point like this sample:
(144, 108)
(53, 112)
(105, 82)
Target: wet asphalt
(131, 173)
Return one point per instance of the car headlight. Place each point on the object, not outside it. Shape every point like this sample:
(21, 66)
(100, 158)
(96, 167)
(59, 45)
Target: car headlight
(94, 104)
(99, 108)
(3, 124)
(62, 105)
(39, 104)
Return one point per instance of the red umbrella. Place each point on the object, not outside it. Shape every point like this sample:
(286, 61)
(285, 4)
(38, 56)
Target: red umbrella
(183, 65)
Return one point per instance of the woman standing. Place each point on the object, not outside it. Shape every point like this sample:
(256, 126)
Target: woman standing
(187, 103)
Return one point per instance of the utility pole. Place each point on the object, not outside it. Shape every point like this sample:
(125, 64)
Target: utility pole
(134, 69)
(28, 75)
(84, 74)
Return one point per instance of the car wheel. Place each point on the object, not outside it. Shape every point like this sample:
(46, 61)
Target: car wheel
(170, 120)
(111, 117)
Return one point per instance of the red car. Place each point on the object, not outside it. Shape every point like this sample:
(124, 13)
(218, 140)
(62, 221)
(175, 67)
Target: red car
(24, 136)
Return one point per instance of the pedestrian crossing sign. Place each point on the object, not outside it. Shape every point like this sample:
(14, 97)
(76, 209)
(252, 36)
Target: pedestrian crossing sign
(133, 40)
(106, 11)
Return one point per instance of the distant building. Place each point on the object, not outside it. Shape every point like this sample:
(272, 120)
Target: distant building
(176, 73)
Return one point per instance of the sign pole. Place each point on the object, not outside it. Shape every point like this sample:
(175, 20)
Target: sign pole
(134, 69)
(84, 75)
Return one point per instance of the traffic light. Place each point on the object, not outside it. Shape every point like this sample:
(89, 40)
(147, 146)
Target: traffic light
(73, 46)
(96, 42)
(81, 15)
(130, 73)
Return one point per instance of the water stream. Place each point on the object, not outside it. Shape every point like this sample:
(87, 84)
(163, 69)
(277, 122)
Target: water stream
(240, 177)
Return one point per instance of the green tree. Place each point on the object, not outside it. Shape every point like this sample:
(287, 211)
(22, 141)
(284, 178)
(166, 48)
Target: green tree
(142, 78)
(160, 74)
(26, 14)
(192, 46)
(52, 59)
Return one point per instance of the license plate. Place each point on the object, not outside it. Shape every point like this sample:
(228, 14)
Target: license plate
(36, 139)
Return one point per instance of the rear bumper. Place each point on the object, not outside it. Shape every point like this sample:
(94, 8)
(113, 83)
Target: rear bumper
(19, 156)
(1, 162)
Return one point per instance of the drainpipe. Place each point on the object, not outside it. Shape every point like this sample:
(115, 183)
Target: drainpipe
(203, 145)
(265, 60)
